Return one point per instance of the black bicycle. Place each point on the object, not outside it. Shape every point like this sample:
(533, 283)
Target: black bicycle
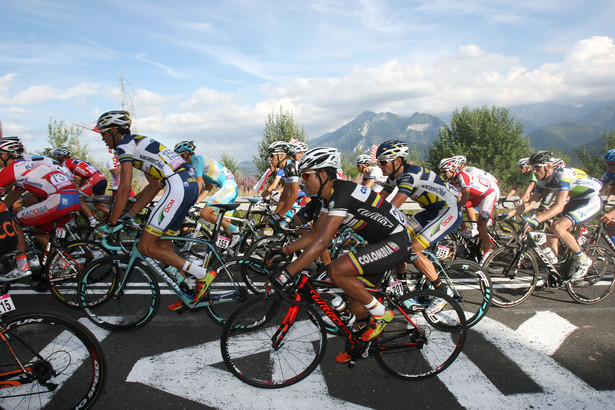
(279, 339)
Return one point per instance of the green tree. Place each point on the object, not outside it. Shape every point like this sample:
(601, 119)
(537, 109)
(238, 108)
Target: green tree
(349, 164)
(231, 164)
(490, 138)
(593, 162)
(61, 135)
(280, 126)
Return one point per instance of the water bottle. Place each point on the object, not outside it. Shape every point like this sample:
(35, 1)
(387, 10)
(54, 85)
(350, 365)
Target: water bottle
(339, 304)
(582, 238)
(550, 254)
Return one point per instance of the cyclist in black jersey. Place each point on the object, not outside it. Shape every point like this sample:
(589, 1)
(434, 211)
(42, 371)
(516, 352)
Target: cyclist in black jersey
(350, 205)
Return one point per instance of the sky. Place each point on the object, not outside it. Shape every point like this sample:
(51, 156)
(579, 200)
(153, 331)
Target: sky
(212, 71)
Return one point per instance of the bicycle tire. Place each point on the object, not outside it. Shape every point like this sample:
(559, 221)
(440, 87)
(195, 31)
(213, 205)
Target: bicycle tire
(64, 281)
(415, 345)
(511, 286)
(226, 292)
(247, 347)
(600, 280)
(115, 309)
(472, 287)
(253, 277)
(69, 347)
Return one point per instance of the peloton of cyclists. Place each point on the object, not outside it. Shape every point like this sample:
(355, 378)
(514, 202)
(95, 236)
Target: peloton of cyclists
(577, 200)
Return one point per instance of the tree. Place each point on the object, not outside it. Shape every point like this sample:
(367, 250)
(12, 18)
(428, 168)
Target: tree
(279, 127)
(593, 162)
(230, 164)
(61, 135)
(490, 138)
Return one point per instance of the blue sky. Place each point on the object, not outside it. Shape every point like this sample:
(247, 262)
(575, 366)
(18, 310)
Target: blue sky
(211, 71)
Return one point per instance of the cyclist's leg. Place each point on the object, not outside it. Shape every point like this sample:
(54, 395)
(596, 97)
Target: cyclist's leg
(486, 207)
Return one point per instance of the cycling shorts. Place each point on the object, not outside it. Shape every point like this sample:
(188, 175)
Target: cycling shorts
(486, 203)
(227, 194)
(95, 186)
(430, 226)
(582, 210)
(180, 193)
(45, 213)
(373, 260)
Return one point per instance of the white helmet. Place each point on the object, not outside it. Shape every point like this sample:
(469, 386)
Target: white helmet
(364, 159)
(297, 147)
(120, 119)
(278, 146)
(448, 164)
(318, 158)
(523, 162)
(460, 159)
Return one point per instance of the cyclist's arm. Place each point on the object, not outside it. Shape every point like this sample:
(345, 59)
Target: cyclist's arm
(528, 192)
(464, 197)
(532, 202)
(512, 191)
(147, 194)
(205, 188)
(399, 199)
(318, 245)
(123, 191)
(267, 191)
(555, 209)
(368, 183)
(611, 194)
(288, 198)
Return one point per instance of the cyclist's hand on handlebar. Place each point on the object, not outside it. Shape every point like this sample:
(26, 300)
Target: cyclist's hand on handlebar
(530, 223)
(281, 278)
(109, 228)
(501, 217)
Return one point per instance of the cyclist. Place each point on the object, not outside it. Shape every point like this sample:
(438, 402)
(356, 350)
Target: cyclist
(163, 168)
(349, 205)
(577, 199)
(286, 156)
(478, 188)
(372, 176)
(92, 183)
(441, 213)
(526, 176)
(53, 195)
(210, 173)
(608, 177)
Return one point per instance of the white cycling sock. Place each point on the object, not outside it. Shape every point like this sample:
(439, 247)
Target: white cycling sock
(375, 308)
(195, 270)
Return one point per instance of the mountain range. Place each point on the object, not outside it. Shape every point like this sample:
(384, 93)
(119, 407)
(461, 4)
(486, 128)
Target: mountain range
(547, 125)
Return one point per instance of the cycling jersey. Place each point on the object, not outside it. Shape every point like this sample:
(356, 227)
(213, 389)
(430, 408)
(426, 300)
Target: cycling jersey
(478, 184)
(291, 170)
(218, 175)
(149, 156)
(57, 192)
(114, 163)
(577, 182)
(49, 162)
(382, 225)
(423, 186)
(8, 235)
(526, 179)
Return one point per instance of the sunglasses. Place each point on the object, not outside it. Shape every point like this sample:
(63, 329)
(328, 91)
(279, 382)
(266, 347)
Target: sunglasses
(535, 167)
(382, 163)
(305, 175)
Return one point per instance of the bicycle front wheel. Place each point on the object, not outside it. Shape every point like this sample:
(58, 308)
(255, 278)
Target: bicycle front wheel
(472, 288)
(115, 299)
(416, 345)
(64, 363)
(66, 265)
(270, 343)
(513, 274)
(600, 280)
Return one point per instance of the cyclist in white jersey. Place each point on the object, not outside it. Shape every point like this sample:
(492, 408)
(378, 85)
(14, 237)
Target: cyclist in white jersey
(163, 168)
(577, 200)
(372, 175)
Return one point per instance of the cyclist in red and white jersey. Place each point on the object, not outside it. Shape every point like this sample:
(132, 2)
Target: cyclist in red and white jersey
(92, 183)
(478, 188)
(53, 197)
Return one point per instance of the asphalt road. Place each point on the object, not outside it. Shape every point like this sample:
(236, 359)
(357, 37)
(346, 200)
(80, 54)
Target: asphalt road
(549, 352)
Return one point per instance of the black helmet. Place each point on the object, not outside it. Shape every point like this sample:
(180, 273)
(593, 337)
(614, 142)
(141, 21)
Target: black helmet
(541, 158)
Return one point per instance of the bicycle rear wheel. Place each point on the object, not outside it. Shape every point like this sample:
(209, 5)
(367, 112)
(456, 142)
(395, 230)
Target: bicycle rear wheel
(513, 275)
(472, 287)
(64, 360)
(600, 280)
(66, 265)
(270, 343)
(416, 345)
(114, 305)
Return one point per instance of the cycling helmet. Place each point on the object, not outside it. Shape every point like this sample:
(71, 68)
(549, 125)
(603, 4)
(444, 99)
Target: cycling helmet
(558, 163)
(540, 158)
(389, 150)
(278, 146)
(184, 146)
(523, 162)
(0, 129)
(448, 164)
(15, 148)
(318, 158)
(610, 156)
(111, 119)
(460, 159)
(297, 147)
(60, 152)
(364, 160)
